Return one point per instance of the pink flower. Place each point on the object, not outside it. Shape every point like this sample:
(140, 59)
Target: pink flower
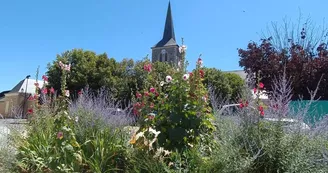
(168, 79)
(200, 61)
(261, 85)
(151, 105)
(138, 95)
(137, 105)
(146, 93)
(255, 89)
(147, 67)
(60, 135)
(36, 84)
(45, 91)
(52, 90)
(152, 90)
(64, 66)
(68, 67)
(45, 78)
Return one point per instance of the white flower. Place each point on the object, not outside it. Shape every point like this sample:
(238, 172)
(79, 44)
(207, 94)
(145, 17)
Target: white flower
(161, 83)
(76, 119)
(67, 93)
(168, 79)
(182, 48)
(185, 77)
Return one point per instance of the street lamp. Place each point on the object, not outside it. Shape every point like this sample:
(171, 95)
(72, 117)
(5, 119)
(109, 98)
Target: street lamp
(27, 77)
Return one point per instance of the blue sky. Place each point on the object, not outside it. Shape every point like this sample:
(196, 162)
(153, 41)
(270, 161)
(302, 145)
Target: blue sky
(33, 32)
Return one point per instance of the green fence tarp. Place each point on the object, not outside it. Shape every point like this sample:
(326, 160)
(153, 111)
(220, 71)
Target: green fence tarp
(317, 110)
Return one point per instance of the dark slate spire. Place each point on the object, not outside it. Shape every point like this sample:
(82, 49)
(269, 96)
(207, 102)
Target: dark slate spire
(168, 35)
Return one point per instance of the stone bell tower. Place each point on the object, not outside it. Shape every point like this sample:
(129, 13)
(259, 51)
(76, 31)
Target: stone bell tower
(167, 49)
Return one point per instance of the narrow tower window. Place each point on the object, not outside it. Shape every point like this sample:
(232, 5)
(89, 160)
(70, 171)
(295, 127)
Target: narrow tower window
(163, 56)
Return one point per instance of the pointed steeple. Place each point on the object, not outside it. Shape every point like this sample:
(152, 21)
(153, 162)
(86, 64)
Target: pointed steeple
(169, 29)
(168, 35)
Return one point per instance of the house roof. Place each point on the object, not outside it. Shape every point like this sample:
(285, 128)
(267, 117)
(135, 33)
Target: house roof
(168, 35)
(241, 73)
(2, 94)
(26, 84)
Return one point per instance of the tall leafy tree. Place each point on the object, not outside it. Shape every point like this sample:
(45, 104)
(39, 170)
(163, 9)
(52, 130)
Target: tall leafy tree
(299, 51)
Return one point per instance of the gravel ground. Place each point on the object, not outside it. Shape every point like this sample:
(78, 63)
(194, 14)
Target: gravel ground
(7, 151)
(7, 126)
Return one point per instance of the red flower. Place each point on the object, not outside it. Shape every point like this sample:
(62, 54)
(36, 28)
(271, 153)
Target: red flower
(246, 104)
(201, 72)
(241, 105)
(30, 111)
(190, 74)
(138, 95)
(255, 89)
(260, 108)
(157, 94)
(45, 91)
(146, 93)
(35, 96)
(261, 85)
(45, 78)
(80, 92)
(262, 113)
(152, 90)
(52, 90)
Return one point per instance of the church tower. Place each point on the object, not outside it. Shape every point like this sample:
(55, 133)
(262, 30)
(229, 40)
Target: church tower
(167, 49)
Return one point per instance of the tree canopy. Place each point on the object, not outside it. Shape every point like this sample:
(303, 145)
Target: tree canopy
(125, 78)
(304, 64)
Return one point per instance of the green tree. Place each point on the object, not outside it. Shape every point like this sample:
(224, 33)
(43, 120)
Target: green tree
(87, 69)
(236, 84)
(216, 79)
